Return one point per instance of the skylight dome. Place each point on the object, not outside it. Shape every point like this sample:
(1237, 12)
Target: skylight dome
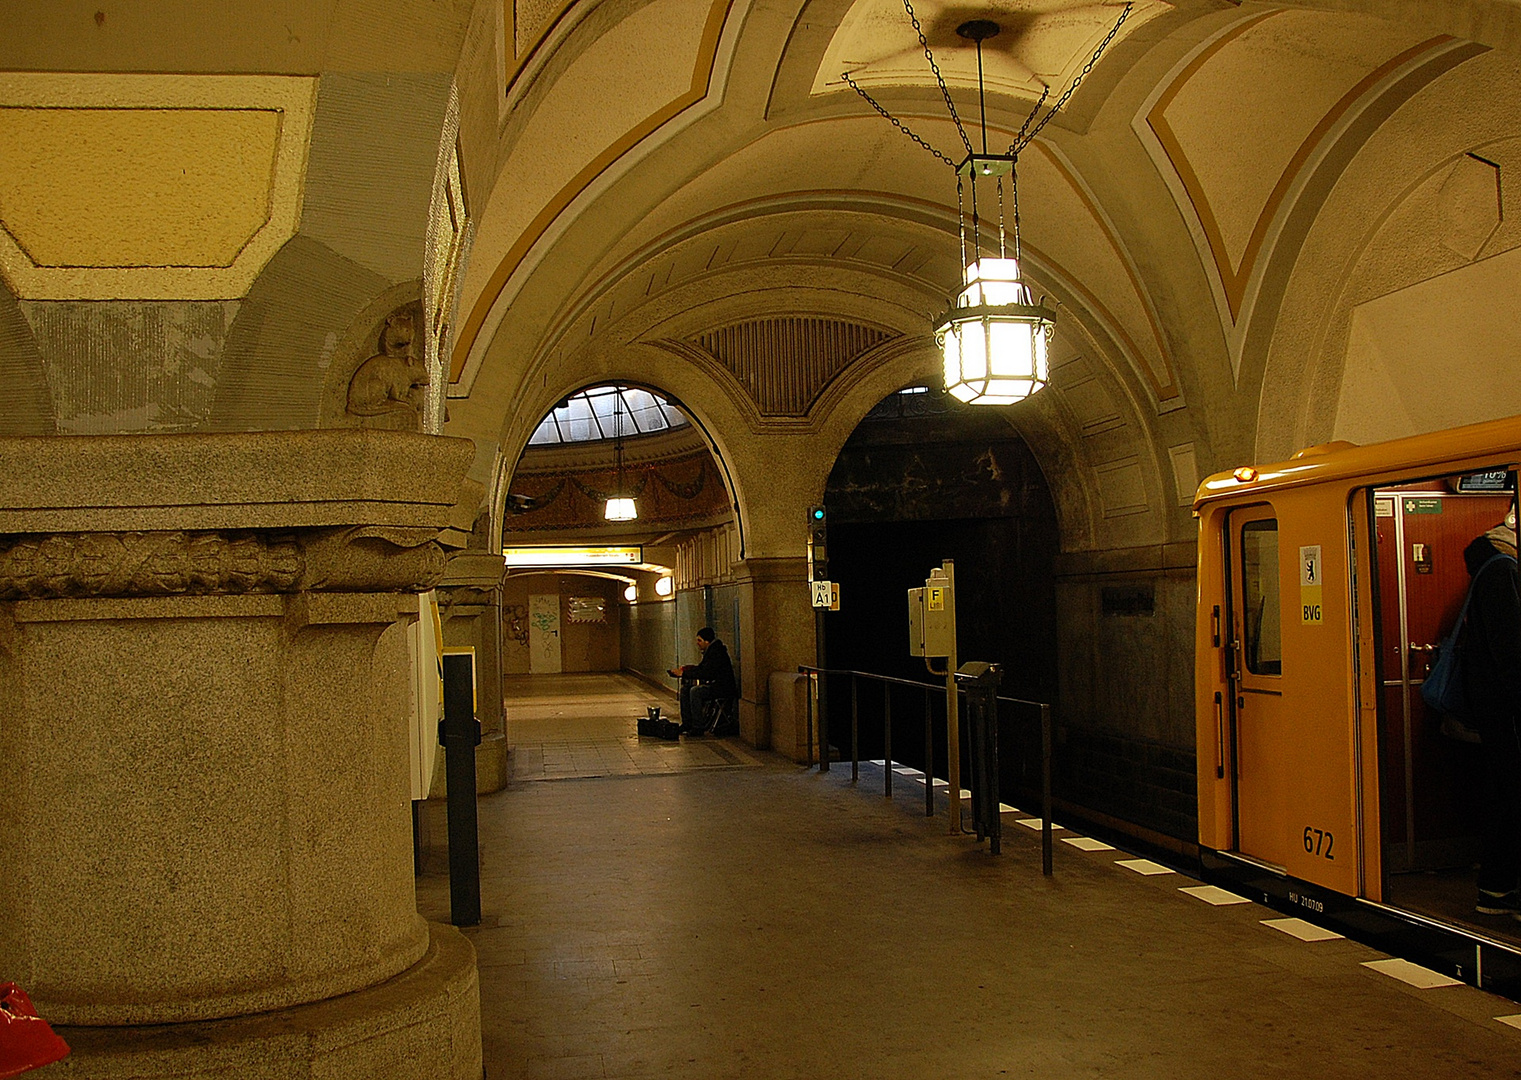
(588, 416)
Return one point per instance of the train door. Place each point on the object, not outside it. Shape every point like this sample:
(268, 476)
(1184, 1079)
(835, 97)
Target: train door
(1263, 794)
(1428, 779)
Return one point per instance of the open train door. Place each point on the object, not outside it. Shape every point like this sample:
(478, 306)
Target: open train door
(1263, 795)
(1430, 779)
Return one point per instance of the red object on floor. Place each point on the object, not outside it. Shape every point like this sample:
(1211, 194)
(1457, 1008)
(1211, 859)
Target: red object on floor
(26, 1041)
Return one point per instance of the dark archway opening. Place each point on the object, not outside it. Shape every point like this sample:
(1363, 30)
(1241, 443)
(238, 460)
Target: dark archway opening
(922, 479)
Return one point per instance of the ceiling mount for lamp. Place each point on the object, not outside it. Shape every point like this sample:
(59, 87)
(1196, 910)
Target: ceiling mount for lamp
(983, 164)
(995, 337)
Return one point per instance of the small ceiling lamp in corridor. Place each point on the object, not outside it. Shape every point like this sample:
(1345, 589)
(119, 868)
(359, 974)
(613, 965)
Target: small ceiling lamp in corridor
(620, 507)
(995, 337)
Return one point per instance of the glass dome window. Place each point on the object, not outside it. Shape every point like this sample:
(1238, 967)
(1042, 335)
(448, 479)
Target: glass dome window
(589, 416)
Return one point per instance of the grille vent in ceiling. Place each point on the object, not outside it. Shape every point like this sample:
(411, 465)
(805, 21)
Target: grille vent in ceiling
(786, 362)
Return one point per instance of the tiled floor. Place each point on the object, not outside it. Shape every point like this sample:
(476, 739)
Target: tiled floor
(583, 726)
(769, 921)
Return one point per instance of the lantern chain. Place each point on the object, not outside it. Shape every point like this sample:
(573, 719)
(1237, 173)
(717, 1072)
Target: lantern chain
(893, 120)
(939, 79)
(1024, 140)
(960, 219)
(1014, 198)
(1026, 133)
(1001, 252)
(1020, 140)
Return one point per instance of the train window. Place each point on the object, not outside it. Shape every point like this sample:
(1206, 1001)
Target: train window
(1261, 629)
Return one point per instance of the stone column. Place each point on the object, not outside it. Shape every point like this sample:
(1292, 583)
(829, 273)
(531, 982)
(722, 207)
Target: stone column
(470, 610)
(203, 709)
(779, 637)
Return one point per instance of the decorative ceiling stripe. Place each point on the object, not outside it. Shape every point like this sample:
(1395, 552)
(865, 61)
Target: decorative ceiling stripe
(1157, 121)
(521, 58)
(785, 362)
(1237, 288)
(707, 59)
(1233, 278)
(1165, 390)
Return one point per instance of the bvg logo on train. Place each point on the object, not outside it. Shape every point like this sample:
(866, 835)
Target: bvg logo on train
(1309, 583)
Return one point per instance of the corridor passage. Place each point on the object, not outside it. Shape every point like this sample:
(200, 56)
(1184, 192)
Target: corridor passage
(757, 919)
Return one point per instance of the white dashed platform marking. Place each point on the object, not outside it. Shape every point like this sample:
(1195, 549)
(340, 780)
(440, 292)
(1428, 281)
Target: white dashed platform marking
(1087, 843)
(1414, 974)
(1302, 930)
(1144, 866)
(1210, 894)
(1035, 823)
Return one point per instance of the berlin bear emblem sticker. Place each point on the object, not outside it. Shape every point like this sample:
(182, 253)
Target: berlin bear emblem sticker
(1309, 584)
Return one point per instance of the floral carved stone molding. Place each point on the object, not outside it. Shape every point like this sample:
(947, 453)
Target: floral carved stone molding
(173, 563)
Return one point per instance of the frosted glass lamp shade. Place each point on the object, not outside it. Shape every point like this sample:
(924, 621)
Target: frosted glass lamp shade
(994, 340)
(621, 509)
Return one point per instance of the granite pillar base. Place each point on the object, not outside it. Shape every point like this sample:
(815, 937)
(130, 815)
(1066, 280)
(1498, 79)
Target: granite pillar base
(423, 1024)
(204, 705)
(208, 801)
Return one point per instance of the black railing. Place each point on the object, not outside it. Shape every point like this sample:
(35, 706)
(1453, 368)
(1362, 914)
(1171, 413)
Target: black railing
(930, 691)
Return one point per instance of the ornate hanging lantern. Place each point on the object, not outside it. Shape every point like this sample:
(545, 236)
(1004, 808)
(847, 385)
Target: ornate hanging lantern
(995, 336)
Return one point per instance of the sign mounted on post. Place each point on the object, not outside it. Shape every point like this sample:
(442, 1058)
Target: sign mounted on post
(826, 594)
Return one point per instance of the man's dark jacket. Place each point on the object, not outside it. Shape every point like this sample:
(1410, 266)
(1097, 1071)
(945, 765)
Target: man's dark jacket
(1491, 658)
(715, 669)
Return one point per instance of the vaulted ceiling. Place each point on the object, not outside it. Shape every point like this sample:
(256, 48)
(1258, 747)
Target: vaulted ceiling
(1244, 216)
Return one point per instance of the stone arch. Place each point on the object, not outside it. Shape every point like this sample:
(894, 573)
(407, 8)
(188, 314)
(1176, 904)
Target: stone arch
(519, 429)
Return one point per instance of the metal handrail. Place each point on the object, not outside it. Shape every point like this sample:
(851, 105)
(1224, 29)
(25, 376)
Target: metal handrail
(929, 785)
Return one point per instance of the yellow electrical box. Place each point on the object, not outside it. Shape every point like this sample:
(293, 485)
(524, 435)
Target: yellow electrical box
(932, 617)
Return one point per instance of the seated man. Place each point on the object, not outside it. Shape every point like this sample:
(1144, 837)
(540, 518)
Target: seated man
(712, 679)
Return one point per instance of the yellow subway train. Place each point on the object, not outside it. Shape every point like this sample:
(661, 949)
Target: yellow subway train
(1327, 786)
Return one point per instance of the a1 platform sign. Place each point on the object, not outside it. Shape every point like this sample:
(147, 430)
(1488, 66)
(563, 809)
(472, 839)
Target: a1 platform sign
(826, 594)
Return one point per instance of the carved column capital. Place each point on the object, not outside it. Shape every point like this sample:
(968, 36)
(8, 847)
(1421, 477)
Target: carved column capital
(178, 562)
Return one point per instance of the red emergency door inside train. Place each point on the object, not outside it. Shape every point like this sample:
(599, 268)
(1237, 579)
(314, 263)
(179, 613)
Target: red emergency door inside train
(1325, 584)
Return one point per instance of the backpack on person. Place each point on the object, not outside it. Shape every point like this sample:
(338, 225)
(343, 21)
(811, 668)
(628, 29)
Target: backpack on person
(1442, 689)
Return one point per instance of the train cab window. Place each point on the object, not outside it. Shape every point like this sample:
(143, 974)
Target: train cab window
(1261, 629)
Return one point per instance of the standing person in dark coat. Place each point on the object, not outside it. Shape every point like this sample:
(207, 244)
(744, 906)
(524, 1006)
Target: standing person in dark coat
(1491, 669)
(712, 679)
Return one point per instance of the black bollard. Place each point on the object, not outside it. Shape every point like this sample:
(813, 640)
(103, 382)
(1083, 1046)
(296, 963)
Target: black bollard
(980, 681)
(460, 733)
